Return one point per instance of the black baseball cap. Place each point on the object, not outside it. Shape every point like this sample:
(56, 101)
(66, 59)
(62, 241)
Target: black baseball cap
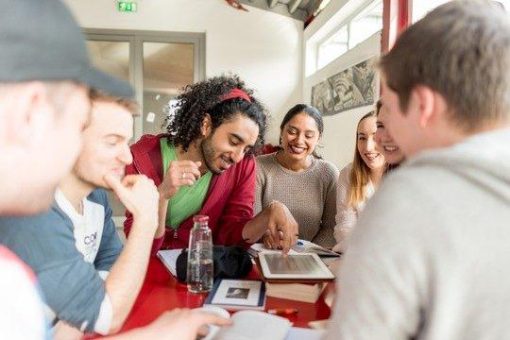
(40, 40)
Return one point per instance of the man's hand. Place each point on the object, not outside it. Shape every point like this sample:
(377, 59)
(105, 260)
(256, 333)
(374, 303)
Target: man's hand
(179, 173)
(139, 195)
(283, 228)
(181, 324)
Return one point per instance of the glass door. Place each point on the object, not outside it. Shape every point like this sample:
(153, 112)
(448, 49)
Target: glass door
(167, 69)
(157, 64)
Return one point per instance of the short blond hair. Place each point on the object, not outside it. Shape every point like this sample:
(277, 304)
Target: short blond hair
(129, 104)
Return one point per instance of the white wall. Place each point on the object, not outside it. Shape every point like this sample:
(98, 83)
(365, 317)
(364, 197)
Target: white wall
(264, 48)
(340, 129)
(339, 138)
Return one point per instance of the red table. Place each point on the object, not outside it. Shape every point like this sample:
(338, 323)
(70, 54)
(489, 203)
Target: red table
(161, 292)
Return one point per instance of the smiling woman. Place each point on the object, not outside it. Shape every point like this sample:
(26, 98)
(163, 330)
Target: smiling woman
(358, 180)
(296, 176)
(384, 140)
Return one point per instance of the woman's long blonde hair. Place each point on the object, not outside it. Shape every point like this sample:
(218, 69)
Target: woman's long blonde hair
(360, 172)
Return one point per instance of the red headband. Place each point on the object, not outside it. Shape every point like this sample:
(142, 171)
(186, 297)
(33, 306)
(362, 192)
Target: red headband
(236, 93)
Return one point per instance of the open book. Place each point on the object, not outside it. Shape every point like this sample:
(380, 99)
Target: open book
(302, 246)
(257, 248)
(254, 325)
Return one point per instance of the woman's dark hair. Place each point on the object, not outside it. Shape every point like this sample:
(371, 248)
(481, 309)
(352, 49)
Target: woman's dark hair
(205, 97)
(310, 111)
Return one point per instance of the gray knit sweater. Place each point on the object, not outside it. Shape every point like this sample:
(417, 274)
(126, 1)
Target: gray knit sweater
(310, 195)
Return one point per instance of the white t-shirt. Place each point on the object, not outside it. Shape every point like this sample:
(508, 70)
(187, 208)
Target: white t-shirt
(88, 230)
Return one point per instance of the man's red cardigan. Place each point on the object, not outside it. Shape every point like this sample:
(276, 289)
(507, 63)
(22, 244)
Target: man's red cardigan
(229, 200)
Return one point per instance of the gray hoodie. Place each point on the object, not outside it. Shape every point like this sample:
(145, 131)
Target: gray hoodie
(430, 256)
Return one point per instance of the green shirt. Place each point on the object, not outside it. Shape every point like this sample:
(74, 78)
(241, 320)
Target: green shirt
(189, 198)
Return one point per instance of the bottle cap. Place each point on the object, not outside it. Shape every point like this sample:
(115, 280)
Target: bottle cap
(200, 218)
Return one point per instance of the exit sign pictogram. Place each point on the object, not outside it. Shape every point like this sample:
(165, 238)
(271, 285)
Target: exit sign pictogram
(126, 6)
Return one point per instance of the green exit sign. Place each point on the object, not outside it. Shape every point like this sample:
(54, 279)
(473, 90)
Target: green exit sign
(126, 6)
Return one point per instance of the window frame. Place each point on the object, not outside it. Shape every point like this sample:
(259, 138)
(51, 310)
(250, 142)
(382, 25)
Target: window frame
(358, 11)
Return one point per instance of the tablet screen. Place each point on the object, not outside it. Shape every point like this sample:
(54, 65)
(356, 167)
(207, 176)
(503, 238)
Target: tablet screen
(307, 266)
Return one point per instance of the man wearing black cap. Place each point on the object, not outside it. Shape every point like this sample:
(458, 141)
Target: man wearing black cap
(45, 76)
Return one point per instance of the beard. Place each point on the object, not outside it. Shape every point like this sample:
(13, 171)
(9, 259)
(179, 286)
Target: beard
(208, 153)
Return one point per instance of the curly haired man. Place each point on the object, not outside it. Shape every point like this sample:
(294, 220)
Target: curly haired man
(204, 165)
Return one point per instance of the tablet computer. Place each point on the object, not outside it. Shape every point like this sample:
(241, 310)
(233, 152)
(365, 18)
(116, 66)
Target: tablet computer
(294, 267)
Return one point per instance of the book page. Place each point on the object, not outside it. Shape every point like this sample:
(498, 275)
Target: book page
(169, 259)
(304, 246)
(305, 334)
(251, 325)
(259, 247)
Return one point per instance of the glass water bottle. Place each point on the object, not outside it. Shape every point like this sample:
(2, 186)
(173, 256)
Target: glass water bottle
(200, 269)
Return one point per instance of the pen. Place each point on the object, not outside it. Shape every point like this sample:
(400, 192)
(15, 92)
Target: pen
(283, 311)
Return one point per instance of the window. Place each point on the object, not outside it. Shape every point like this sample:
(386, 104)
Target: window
(335, 46)
(421, 8)
(364, 23)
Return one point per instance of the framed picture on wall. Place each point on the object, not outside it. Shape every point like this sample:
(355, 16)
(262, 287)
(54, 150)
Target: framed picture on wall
(347, 89)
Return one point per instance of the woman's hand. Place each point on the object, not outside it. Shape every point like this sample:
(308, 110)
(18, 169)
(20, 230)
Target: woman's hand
(283, 230)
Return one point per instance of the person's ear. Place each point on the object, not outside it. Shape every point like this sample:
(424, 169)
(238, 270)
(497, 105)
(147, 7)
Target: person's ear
(206, 127)
(423, 100)
(31, 114)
